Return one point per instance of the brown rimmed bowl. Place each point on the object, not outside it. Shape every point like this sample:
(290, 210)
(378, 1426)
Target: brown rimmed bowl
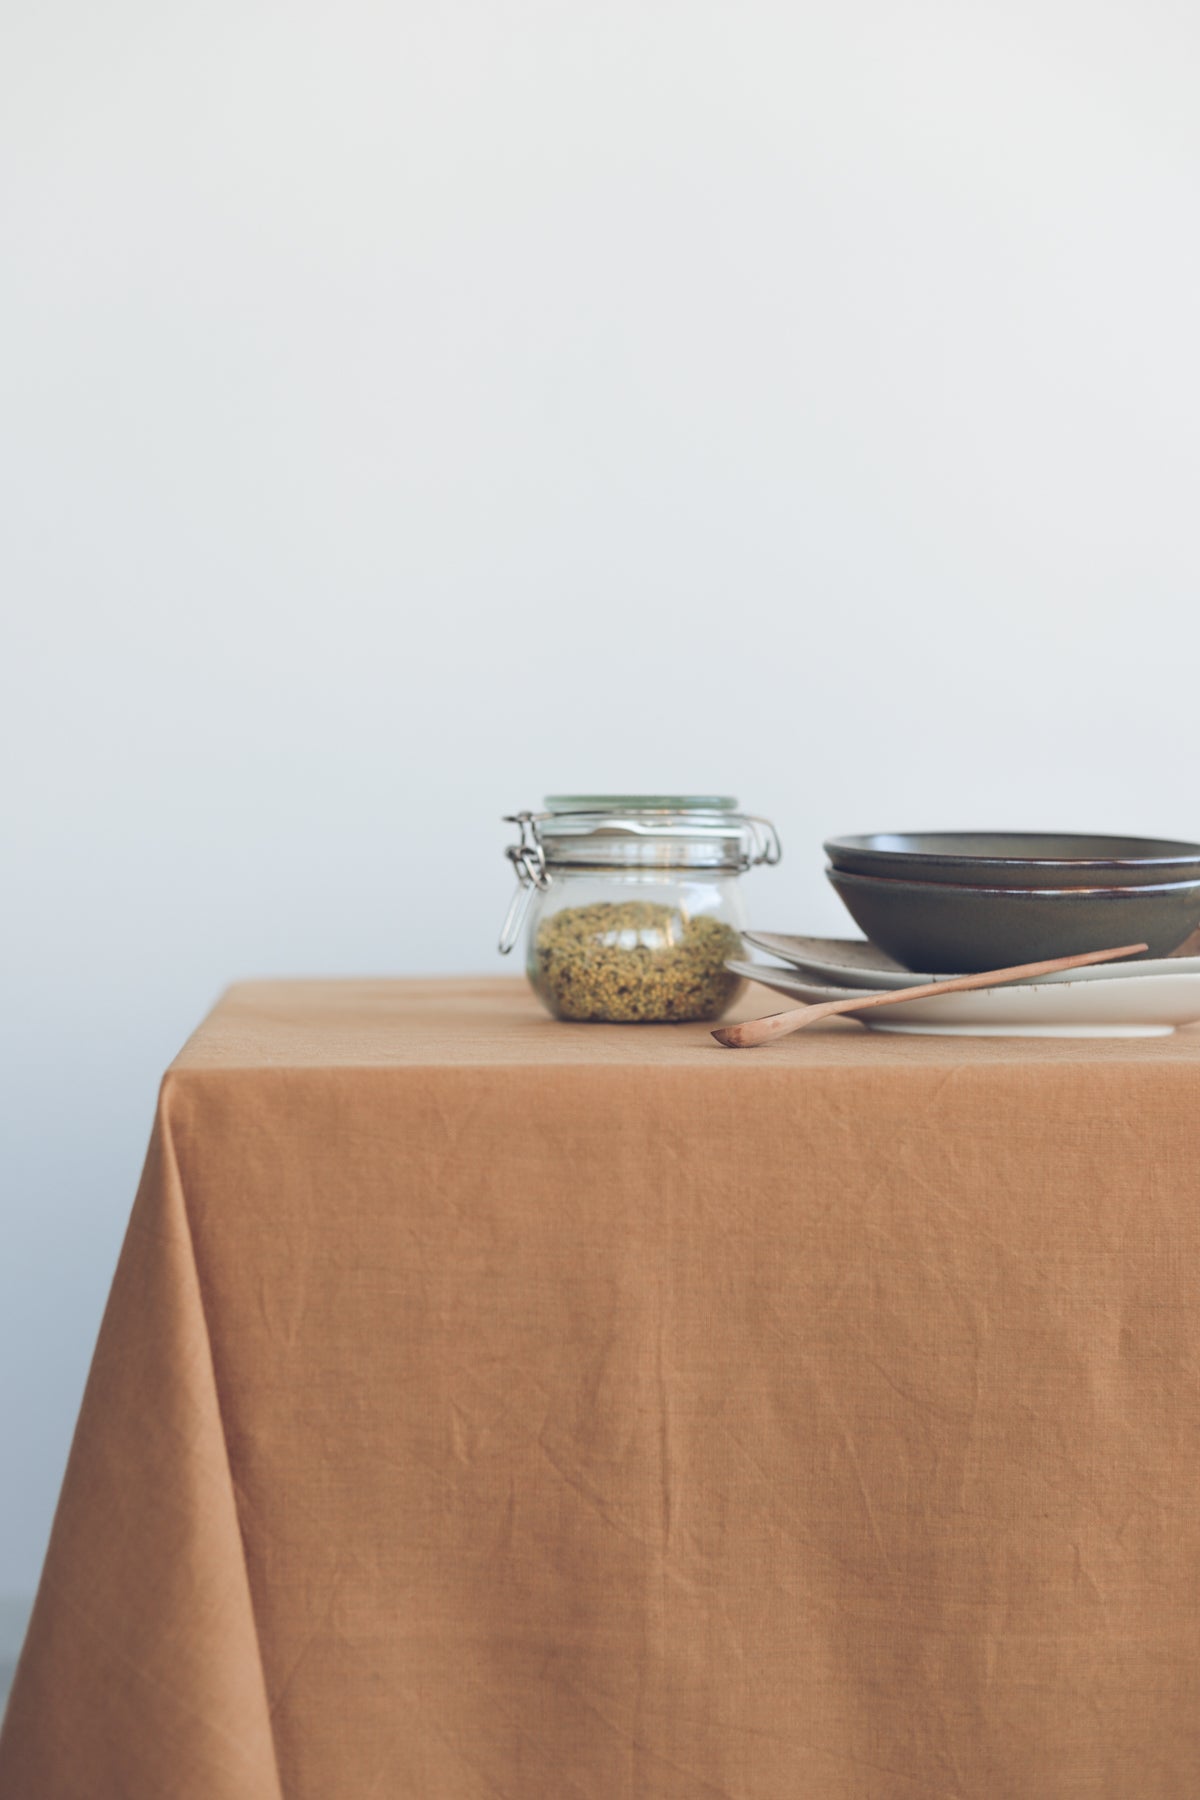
(1017, 859)
(949, 928)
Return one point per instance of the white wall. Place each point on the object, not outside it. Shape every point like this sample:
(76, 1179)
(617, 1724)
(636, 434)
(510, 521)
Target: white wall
(411, 409)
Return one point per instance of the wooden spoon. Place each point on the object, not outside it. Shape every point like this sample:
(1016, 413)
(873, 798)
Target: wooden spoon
(777, 1025)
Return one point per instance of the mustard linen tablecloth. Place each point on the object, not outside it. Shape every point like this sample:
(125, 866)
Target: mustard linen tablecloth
(495, 1409)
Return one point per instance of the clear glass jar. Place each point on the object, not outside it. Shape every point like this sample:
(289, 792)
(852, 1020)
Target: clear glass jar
(632, 903)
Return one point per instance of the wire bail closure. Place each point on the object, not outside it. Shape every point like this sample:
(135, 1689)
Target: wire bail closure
(528, 858)
(767, 848)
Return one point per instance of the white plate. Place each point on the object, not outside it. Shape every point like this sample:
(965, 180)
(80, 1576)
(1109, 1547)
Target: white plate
(1135, 1006)
(855, 963)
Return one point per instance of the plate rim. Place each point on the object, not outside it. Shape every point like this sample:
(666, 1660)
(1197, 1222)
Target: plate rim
(899, 977)
(1040, 993)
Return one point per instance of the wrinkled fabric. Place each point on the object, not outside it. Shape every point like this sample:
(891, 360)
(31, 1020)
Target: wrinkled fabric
(494, 1409)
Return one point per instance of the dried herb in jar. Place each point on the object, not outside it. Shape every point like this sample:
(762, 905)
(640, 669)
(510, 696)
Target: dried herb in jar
(634, 961)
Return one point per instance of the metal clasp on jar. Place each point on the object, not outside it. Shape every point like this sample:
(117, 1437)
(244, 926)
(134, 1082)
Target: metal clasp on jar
(767, 848)
(528, 858)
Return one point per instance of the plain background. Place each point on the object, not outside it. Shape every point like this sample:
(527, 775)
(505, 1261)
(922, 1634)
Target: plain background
(409, 410)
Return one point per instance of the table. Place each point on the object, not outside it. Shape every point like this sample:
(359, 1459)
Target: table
(494, 1409)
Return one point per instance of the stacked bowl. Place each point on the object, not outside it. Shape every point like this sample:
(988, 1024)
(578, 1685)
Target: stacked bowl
(952, 902)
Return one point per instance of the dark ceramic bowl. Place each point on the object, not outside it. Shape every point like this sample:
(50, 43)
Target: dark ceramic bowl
(954, 929)
(1016, 859)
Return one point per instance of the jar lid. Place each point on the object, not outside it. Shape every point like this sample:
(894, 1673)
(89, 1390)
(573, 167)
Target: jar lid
(570, 803)
(674, 831)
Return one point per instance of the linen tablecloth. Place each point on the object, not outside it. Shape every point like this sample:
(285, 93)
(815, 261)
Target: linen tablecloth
(495, 1409)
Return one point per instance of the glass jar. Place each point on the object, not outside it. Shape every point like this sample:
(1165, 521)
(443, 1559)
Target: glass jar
(632, 903)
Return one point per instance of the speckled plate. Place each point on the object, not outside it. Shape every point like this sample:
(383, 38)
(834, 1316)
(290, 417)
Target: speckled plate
(855, 963)
(1070, 1005)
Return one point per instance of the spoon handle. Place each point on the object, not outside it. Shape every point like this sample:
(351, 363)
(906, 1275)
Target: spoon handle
(777, 1025)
